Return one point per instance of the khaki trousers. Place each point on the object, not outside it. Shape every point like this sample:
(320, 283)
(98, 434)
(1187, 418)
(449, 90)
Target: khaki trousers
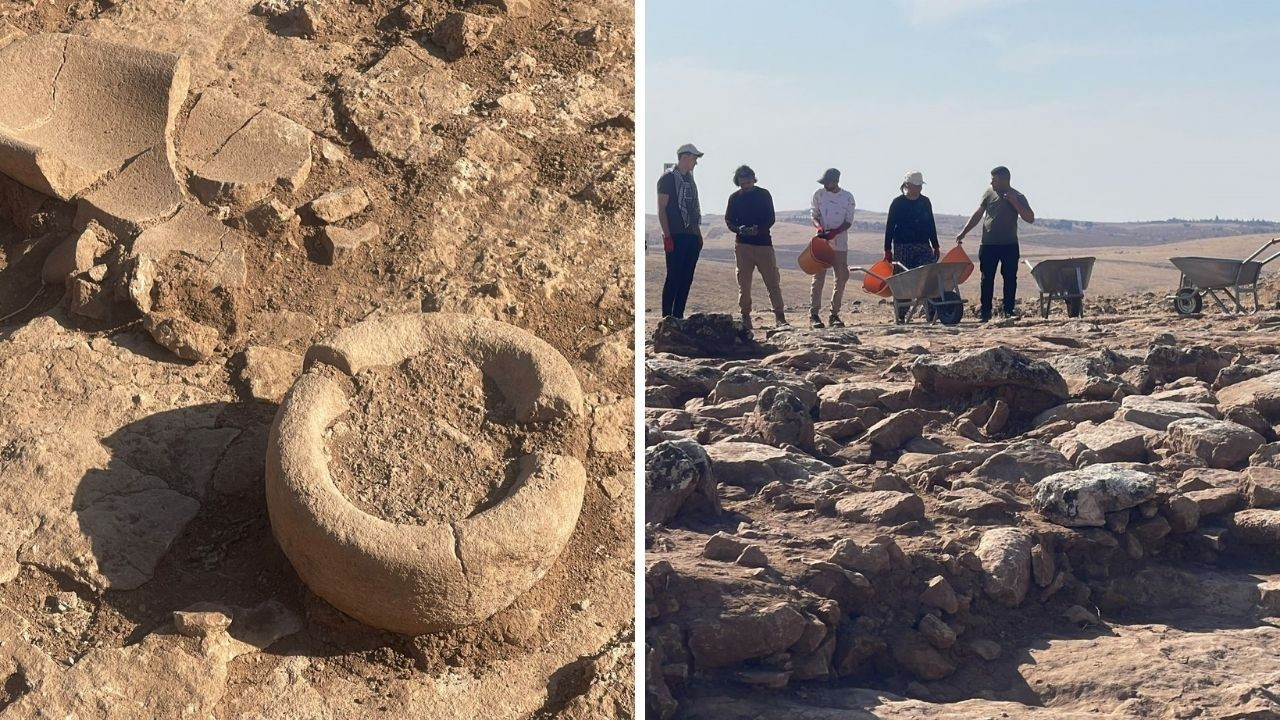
(841, 268)
(758, 257)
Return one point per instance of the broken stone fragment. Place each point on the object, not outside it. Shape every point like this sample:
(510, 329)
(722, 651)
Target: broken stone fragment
(513, 8)
(143, 193)
(340, 204)
(183, 337)
(1005, 554)
(195, 234)
(85, 297)
(268, 372)
(113, 103)
(336, 243)
(239, 152)
(940, 594)
(461, 33)
(75, 255)
(199, 624)
(271, 217)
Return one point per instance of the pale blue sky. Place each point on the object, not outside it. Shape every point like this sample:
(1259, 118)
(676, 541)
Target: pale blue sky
(1105, 111)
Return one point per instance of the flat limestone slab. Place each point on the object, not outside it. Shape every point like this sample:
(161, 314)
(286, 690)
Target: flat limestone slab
(200, 236)
(73, 109)
(238, 152)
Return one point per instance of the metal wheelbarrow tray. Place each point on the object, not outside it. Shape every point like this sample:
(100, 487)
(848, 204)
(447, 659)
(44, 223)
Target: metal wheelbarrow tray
(1220, 279)
(934, 288)
(1064, 280)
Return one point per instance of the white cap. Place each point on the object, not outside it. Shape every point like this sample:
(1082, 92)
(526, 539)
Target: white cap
(688, 148)
(914, 178)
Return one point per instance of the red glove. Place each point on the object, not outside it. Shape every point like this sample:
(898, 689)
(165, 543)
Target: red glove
(888, 256)
(668, 244)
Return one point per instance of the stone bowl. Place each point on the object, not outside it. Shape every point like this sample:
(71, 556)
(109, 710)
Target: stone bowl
(416, 579)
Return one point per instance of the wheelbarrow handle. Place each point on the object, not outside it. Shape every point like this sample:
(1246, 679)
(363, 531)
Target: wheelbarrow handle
(1265, 245)
(868, 272)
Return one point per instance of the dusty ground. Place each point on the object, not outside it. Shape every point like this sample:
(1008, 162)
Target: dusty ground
(807, 598)
(130, 481)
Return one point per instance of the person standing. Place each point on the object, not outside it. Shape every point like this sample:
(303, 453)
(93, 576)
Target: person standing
(749, 216)
(680, 217)
(999, 210)
(910, 234)
(832, 214)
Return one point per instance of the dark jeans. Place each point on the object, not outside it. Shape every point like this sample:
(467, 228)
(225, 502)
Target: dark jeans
(680, 264)
(913, 255)
(1006, 256)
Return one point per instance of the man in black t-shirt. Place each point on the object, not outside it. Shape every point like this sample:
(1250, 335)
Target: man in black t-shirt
(750, 215)
(681, 218)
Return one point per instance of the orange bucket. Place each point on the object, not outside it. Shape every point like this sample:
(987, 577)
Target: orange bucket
(817, 257)
(874, 285)
(958, 255)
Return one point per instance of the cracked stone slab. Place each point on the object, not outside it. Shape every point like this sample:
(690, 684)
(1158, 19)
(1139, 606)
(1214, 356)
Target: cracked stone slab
(239, 153)
(73, 109)
(395, 103)
(200, 236)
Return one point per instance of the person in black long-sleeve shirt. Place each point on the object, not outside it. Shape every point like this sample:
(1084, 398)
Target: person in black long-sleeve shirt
(910, 234)
(750, 215)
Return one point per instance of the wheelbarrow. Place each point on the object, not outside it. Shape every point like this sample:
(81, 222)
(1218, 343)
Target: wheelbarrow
(1064, 280)
(933, 288)
(1220, 279)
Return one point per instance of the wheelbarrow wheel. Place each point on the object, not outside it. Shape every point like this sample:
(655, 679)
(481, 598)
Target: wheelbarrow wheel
(1188, 302)
(952, 311)
(1075, 307)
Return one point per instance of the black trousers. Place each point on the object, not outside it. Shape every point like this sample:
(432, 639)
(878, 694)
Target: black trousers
(681, 262)
(1006, 257)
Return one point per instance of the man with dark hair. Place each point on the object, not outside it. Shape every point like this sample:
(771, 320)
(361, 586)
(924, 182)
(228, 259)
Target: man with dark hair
(680, 217)
(832, 213)
(750, 215)
(1002, 206)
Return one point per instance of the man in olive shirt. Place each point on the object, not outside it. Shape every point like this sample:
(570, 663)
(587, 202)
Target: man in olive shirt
(1002, 206)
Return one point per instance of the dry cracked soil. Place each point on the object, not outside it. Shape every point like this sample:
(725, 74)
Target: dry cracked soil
(1059, 518)
(310, 164)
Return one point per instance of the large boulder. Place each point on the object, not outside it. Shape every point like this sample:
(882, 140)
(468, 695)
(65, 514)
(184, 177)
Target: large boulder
(1112, 441)
(747, 633)
(969, 370)
(894, 431)
(706, 335)
(745, 381)
(1082, 498)
(1086, 377)
(1257, 527)
(1167, 362)
(1260, 393)
(754, 465)
(1096, 411)
(1157, 414)
(677, 476)
(881, 507)
(1220, 443)
(1005, 554)
(1028, 461)
(781, 418)
(688, 378)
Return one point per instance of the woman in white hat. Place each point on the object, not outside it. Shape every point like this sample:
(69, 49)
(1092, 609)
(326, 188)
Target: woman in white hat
(910, 235)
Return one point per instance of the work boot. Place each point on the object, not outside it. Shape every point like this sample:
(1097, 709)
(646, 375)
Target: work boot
(815, 322)
(835, 321)
(746, 323)
(781, 321)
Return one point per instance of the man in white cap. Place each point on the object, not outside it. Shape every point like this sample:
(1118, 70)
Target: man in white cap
(832, 213)
(681, 218)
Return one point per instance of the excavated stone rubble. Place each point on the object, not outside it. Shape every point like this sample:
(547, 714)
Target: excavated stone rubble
(1059, 518)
